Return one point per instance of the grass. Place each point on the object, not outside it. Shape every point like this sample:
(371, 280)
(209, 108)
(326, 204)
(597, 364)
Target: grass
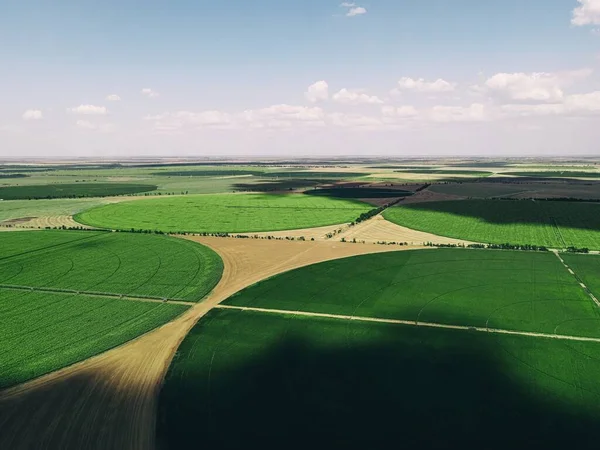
(206, 173)
(115, 263)
(500, 289)
(42, 332)
(357, 192)
(256, 380)
(552, 224)
(480, 190)
(75, 190)
(225, 213)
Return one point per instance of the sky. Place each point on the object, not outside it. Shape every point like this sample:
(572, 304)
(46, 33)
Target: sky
(397, 78)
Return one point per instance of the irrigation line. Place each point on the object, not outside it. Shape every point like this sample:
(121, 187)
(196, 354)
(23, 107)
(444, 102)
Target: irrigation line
(413, 323)
(96, 294)
(579, 280)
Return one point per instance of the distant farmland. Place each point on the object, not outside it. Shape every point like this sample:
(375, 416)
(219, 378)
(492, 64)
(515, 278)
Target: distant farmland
(549, 223)
(75, 190)
(347, 382)
(61, 293)
(225, 213)
(555, 174)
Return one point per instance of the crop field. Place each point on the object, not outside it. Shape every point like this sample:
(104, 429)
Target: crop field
(68, 295)
(15, 209)
(549, 223)
(525, 291)
(75, 190)
(555, 174)
(314, 175)
(358, 192)
(244, 379)
(225, 213)
(206, 173)
(115, 263)
(42, 332)
(474, 173)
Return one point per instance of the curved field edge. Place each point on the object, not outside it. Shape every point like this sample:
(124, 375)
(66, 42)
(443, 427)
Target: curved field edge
(49, 329)
(46, 349)
(296, 213)
(105, 263)
(554, 224)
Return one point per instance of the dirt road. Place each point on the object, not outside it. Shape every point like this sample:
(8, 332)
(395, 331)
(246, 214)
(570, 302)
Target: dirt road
(110, 401)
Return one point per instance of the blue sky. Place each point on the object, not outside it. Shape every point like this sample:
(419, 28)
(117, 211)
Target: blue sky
(233, 77)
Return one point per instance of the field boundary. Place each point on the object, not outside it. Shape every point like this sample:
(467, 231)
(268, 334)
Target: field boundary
(578, 279)
(127, 297)
(413, 323)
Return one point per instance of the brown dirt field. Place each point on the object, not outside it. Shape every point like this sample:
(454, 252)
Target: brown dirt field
(318, 233)
(17, 221)
(378, 229)
(110, 401)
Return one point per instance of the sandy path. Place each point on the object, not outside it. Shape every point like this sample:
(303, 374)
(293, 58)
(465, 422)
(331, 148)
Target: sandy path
(378, 229)
(414, 323)
(110, 401)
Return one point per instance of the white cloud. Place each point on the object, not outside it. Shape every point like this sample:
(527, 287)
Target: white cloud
(149, 93)
(113, 98)
(355, 121)
(33, 114)
(421, 85)
(179, 119)
(587, 13)
(535, 86)
(473, 113)
(89, 110)
(572, 105)
(353, 9)
(399, 112)
(283, 116)
(317, 92)
(349, 97)
(103, 127)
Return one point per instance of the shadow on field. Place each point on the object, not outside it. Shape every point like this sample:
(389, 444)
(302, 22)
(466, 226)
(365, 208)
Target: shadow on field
(278, 185)
(413, 391)
(584, 215)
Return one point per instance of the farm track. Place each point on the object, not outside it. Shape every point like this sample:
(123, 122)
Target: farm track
(579, 280)
(413, 323)
(110, 401)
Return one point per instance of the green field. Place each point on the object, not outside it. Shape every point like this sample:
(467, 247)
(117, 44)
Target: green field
(121, 263)
(555, 174)
(42, 332)
(474, 173)
(357, 192)
(61, 293)
(552, 224)
(254, 380)
(314, 175)
(525, 291)
(225, 213)
(206, 173)
(75, 190)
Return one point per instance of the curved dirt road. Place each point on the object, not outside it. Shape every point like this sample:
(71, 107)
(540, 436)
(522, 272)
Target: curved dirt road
(110, 401)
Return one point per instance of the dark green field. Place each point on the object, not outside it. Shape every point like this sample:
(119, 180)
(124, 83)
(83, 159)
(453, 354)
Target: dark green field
(68, 295)
(525, 291)
(474, 173)
(548, 223)
(555, 174)
(254, 380)
(75, 190)
(206, 173)
(352, 192)
(313, 175)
